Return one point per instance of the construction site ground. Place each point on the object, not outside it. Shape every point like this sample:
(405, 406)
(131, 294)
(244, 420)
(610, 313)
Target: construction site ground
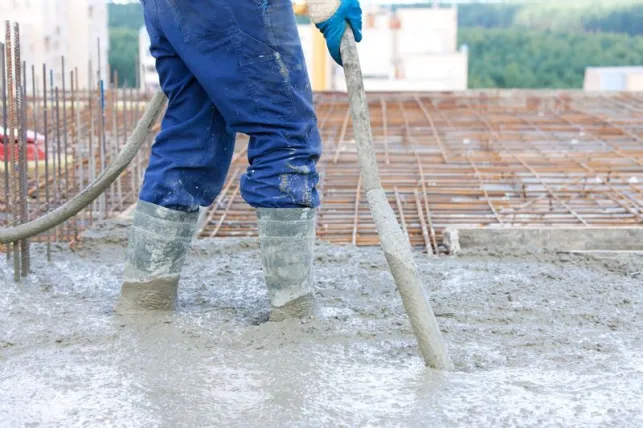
(538, 338)
(536, 197)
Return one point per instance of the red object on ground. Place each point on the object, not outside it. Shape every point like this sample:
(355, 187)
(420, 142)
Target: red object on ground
(34, 144)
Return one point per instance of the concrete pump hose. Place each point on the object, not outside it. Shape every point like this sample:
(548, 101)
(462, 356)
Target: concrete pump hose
(395, 245)
(96, 187)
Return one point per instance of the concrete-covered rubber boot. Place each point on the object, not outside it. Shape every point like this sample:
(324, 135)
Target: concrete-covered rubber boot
(159, 240)
(287, 237)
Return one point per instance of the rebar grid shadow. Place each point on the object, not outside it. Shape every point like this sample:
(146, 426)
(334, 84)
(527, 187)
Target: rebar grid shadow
(473, 159)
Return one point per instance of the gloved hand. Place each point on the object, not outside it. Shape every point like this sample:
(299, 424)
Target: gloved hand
(330, 17)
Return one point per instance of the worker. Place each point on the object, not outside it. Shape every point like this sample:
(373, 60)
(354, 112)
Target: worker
(228, 67)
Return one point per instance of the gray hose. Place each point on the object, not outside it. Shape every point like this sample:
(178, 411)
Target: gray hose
(96, 187)
(395, 245)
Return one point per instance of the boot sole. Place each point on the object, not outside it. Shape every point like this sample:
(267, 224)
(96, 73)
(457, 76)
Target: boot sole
(302, 307)
(158, 294)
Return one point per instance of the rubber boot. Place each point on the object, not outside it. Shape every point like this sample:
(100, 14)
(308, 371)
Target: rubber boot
(159, 240)
(287, 237)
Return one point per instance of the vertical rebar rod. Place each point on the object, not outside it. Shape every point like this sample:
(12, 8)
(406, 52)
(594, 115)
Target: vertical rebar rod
(35, 131)
(101, 129)
(81, 149)
(21, 110)
(119, 181)
(132, 169)
(5, 141)
(11, 148)
(66, 225)
(75, 189)
(46, 134)
(25, 171)
(138, 156)
(125, 111)
(126, 130)
(92, 160)
(113, 141)
(60, 228)
(54, 123)
(103, 154)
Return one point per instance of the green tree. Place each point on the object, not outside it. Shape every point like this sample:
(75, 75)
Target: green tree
(522, 58)
(125, 20)
(129, 15)
(487, 15)
(123, 52)
(627, 20)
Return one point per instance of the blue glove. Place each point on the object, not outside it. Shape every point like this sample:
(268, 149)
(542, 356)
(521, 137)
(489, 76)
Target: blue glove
(333, 28)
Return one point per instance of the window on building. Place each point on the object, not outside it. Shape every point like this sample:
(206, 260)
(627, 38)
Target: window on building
(90, 11)
(47, 44)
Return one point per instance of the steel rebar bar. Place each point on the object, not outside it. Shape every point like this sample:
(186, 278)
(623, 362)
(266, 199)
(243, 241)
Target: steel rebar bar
(46, 148)
(119, 180)
(74, 144)
(80, 147)
(34, 104)
(65, 227)
(21, 109)
(5, 140)
(90, 142)
(60, 231)
(12, 150)
(102, 146)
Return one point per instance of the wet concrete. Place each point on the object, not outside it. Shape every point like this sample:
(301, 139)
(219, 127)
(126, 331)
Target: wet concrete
(537, 340)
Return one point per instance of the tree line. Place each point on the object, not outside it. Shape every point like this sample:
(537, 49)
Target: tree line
(613, 16)
(548, 45)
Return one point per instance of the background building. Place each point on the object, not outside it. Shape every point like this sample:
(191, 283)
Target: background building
(148, 77)
(407, 48)
(613, 79)
(50, 29)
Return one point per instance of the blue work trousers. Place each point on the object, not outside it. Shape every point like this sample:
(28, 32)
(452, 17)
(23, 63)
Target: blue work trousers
(227, 67)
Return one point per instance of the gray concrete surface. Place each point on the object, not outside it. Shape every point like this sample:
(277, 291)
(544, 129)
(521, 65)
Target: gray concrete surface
(537, 340)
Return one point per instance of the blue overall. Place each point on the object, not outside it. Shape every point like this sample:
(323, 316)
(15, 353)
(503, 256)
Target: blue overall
(227, 67)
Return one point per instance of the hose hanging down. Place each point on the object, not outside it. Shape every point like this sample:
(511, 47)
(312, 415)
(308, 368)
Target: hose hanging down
(96, 187)
(395, 245)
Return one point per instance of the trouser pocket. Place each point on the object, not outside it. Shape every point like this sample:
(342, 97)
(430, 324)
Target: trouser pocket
(267, 76)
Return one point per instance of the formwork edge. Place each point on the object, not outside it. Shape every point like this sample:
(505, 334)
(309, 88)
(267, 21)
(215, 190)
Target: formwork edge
(549, 239)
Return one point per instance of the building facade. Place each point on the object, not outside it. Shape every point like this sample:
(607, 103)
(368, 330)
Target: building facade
(403, 49)
(51, 29)
(624, 79)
